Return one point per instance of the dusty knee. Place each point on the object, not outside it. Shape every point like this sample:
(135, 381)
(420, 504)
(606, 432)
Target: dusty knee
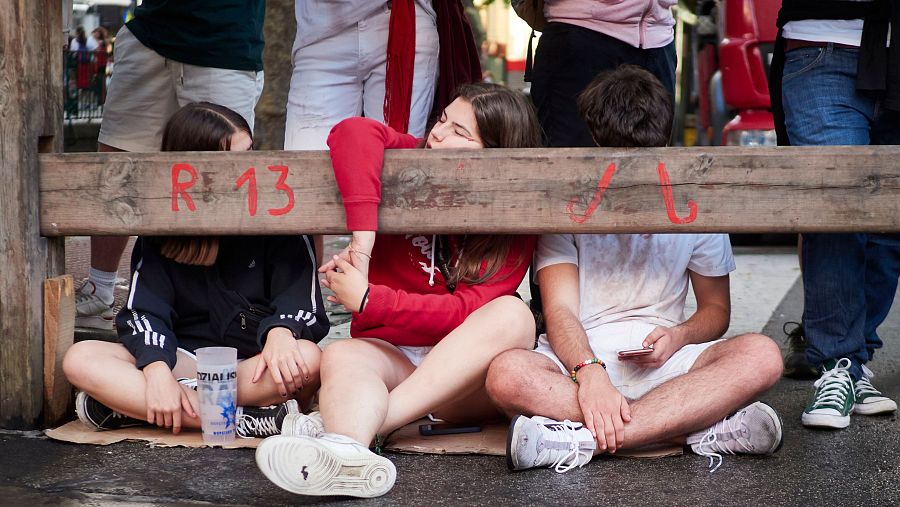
(505, 377)
(763, 355)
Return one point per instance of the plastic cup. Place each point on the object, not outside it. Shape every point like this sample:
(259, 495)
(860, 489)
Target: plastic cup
(217, 387)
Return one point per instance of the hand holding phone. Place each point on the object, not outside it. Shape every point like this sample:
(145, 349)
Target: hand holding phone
(632, 353)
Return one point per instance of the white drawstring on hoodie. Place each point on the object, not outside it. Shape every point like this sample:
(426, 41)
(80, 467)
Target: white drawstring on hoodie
(431, 277)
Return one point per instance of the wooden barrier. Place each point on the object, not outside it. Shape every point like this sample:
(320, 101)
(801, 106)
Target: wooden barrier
(31, 99)
(486, 191)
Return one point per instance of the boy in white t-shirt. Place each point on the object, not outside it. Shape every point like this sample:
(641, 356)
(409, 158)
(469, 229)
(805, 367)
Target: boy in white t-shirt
(606, 293)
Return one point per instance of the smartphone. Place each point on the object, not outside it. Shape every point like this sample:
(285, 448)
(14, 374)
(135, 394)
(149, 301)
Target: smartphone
(625, 354)
(428, 430)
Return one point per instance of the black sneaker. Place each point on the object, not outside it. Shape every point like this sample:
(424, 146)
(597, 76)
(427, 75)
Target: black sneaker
(262, 422)
(100, 417)
(795, 364)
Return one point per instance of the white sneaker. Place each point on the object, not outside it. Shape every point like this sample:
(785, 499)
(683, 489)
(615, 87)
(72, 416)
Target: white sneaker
(755, 429)
(90, 310)
(541, 442)
(329, 465)
(870, 401)
(305, 425)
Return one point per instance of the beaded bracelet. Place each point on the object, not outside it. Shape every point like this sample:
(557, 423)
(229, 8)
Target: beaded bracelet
(582, 364)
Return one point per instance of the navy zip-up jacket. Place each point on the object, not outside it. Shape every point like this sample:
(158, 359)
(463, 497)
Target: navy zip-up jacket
(257, 283)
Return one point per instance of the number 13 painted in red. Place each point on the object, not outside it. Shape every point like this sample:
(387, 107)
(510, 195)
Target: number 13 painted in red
(249, 177)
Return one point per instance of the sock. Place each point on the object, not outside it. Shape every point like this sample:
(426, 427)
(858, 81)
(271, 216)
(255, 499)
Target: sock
(103, 284)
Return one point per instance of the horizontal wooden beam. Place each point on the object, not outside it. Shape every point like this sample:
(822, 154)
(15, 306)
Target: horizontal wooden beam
(723, 189)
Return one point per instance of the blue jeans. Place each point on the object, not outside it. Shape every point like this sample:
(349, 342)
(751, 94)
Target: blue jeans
(849, 280)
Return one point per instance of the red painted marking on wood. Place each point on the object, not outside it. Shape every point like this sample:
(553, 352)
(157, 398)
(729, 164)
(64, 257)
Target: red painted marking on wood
(179, 188)
(283, 170)
(460, 166)
(249, 177)
(602, 185)
(670, 202)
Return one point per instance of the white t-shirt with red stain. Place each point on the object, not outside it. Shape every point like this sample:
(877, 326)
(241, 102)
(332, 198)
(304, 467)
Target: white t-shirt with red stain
(640, 277)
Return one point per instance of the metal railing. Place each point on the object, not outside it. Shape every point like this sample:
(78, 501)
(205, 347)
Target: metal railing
(85, 78)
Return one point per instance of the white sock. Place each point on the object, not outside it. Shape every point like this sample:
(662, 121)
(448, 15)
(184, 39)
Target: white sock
(103, 284)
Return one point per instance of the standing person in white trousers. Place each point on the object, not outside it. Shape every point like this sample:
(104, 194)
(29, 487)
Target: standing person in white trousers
(340, 67)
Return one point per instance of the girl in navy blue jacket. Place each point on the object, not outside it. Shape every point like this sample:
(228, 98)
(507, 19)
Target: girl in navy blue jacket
(257, 294)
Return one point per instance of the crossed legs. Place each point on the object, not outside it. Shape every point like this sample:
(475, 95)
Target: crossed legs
(107, 372)
(725, 377)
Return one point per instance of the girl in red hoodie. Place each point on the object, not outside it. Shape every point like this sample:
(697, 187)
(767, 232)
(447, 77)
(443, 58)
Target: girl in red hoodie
(429, 312)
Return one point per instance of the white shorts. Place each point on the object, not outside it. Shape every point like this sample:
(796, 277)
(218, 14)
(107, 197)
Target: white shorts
(632, 381)
(343, 76)
(415, 354)
(146, 90)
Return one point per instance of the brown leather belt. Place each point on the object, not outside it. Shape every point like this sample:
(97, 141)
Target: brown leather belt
(790, 44)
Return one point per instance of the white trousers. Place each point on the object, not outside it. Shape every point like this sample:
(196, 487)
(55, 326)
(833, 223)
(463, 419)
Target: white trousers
(343, 76)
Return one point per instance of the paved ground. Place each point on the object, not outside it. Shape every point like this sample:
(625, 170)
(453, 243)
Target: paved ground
(856, 466)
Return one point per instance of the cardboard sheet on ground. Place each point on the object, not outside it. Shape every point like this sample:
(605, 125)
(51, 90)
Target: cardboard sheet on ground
(491, 440)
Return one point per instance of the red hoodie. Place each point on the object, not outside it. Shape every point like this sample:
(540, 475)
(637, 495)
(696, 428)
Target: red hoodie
(403, 309)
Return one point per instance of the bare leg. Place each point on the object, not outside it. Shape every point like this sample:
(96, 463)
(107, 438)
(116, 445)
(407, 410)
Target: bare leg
(107, 372)
(724, 378)
(357, 377)
(264, 392)
(456, 368)
(370, 387)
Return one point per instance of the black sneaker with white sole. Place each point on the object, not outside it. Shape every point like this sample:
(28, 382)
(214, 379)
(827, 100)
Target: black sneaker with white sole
(262, 422)
(100, 417)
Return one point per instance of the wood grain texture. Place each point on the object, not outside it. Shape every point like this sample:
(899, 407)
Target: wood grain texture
(725, 189)
(31, 42)
(59, 334)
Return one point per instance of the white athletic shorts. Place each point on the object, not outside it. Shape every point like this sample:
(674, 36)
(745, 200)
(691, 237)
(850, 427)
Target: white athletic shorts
(343, 76)
(146, 90)
(415, 354)
(632, 381)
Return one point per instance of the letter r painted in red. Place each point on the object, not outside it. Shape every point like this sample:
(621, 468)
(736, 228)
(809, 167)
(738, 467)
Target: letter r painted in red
(179, 188)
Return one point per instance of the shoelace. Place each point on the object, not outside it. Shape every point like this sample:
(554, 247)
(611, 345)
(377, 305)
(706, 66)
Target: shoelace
(573, 451)
(263, 426)
(82, 295)
(710, 447)
(307, 425)
(793, 332)
(865, 387)
(831, 388)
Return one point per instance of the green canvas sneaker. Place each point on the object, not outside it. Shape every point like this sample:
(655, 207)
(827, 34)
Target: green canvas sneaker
(870, 401)
(834, 398)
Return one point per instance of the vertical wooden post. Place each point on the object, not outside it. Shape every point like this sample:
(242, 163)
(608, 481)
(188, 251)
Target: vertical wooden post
(31, 44)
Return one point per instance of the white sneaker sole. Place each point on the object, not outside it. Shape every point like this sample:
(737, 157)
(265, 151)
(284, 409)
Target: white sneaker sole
(79, 411)
(776, 420)
(512, 437)
(879, 407)
(305, 466)
(95, 322)
(825, 421)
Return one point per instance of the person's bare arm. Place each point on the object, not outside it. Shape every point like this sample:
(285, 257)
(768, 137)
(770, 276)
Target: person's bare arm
(708, 323)
(604, 409)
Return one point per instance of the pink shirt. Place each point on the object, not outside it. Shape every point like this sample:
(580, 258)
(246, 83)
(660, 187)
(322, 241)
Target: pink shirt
(641, 23)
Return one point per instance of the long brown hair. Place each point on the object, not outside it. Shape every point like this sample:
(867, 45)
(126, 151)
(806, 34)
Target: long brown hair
(505, 119)
(199, 126)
